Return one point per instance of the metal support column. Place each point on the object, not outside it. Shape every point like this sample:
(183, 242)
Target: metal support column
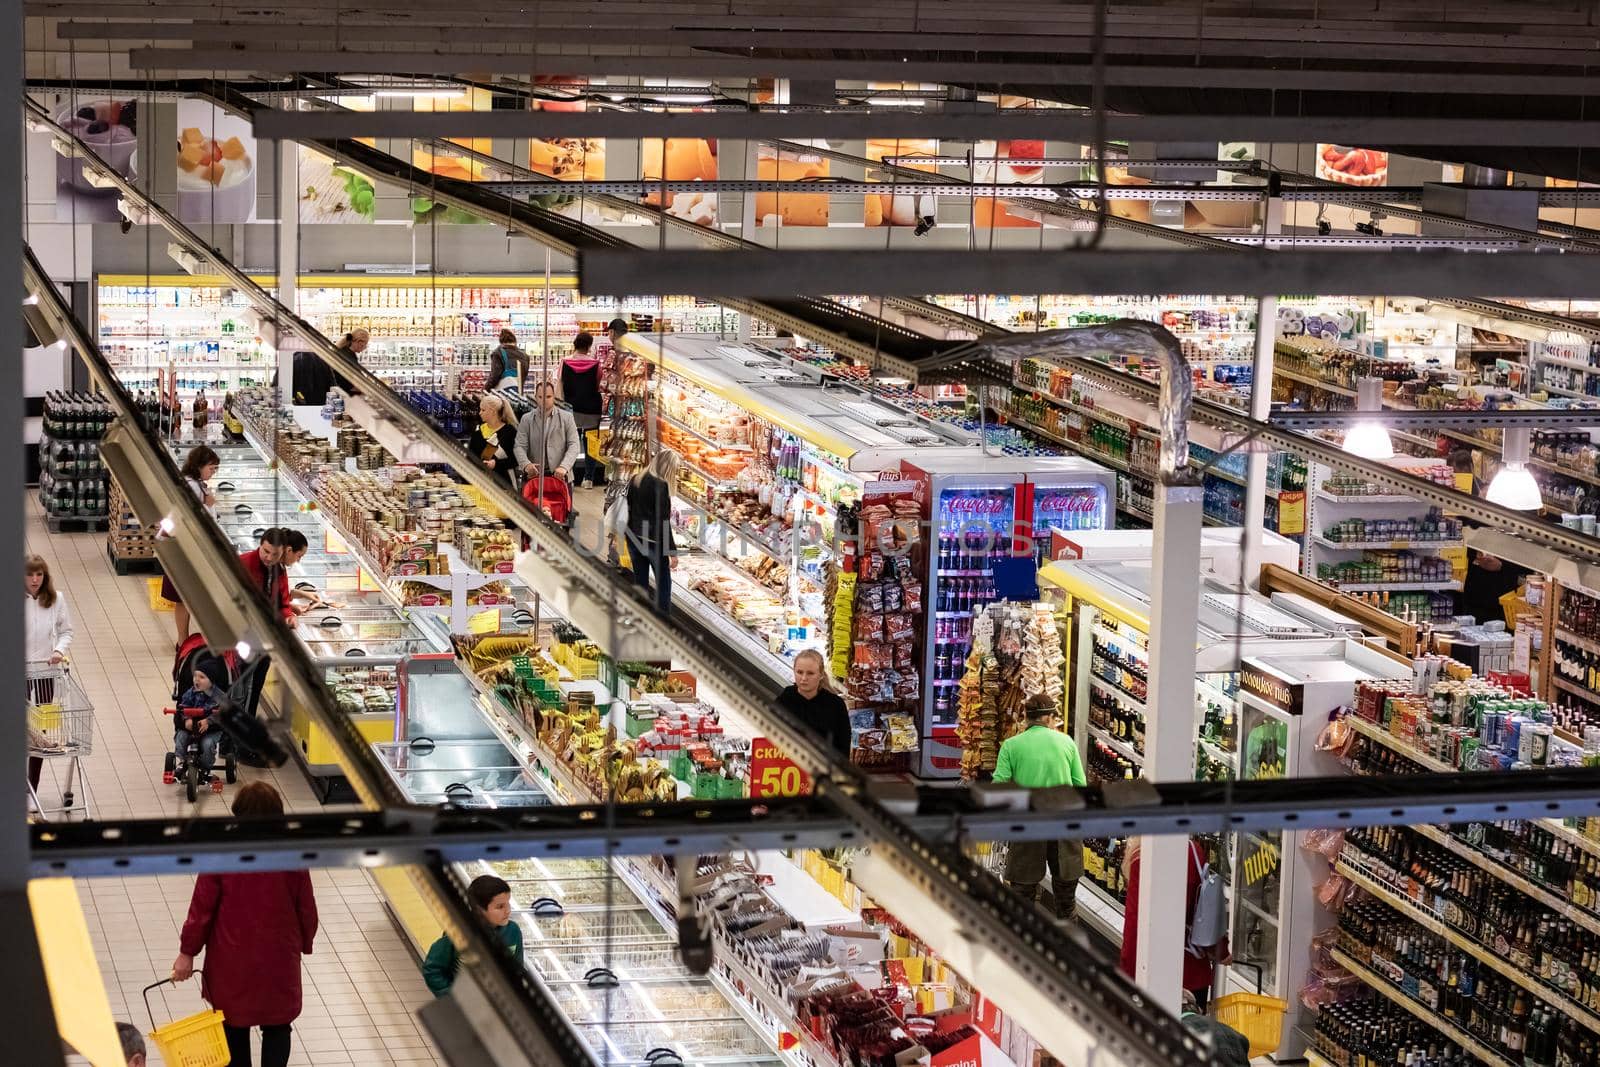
(1169, 732)
(747, 217)
(30, 1016)
(288, 259)
(1255, 491)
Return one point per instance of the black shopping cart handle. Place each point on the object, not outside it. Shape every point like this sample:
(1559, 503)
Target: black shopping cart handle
(156, 985)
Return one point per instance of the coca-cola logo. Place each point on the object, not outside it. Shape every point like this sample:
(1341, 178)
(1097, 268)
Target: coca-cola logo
(1076, 502)
(976, 504)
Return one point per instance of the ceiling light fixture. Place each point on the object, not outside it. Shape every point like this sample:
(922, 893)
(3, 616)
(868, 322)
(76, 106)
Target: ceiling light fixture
(1513, 485)
(1368, 439)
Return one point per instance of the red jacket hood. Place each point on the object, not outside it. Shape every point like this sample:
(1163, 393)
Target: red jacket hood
(582, 366)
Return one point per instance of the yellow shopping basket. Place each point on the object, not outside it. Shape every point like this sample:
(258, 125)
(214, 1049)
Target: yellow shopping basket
(1258, 1018)
(194, 1041)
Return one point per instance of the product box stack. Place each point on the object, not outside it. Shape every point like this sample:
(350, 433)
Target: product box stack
(132, 544)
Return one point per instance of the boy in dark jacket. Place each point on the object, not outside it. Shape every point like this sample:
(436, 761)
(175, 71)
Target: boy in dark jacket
(196, 717)
(492, 897)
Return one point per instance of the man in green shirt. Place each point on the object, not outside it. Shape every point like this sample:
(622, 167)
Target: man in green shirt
(1040, 757)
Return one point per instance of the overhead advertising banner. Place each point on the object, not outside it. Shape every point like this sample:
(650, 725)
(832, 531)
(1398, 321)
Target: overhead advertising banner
(987, 211)
(1352, 166)
(903, 210)
(790, 209)
(215, 160)
(110, 127)
(681, 159)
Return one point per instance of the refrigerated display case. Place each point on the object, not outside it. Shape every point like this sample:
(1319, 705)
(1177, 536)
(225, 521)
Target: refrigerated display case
(1106, 599)
(469, 774)
(773, 449)
(982, 511)
(1286, 697)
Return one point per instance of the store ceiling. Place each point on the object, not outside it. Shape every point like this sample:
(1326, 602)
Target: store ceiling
(1180, 58)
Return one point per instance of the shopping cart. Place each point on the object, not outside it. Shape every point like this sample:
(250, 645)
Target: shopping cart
(60, 726)
(194, 1041)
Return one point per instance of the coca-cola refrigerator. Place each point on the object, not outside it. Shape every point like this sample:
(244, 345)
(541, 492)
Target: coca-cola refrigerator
(982, 510)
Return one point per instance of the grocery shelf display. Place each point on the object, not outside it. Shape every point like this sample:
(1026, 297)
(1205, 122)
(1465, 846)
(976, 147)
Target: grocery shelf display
(515, 716)
(187, 334)
(781, 468)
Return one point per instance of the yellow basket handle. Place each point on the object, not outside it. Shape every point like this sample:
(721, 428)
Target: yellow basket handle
(154, 985)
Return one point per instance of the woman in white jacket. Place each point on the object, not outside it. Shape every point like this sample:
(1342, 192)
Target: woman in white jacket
(48, 625)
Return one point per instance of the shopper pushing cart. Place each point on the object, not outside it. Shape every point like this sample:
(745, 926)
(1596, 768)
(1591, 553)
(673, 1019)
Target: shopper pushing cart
(60, 726)
(49, 636)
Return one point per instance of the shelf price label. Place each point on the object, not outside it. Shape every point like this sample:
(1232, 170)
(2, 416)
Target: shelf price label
(772, 774)
(1292, 513)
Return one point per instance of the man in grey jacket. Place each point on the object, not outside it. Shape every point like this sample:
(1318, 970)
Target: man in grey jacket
(547, 438)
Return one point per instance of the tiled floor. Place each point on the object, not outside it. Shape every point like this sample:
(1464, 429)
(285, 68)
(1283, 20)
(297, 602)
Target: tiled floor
(361, 983)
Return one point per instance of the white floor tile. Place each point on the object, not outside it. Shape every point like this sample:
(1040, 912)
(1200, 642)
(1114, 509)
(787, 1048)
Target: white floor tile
(122, 655)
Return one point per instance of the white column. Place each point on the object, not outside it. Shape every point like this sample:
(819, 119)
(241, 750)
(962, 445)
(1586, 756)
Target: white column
(1169, 736)
(288, 203)
(1255, 492)
(747, 215)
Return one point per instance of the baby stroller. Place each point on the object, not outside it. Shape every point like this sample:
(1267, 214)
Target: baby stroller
(190, 653)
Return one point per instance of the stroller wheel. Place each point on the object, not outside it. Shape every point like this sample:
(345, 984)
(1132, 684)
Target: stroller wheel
(230, 771)
(170, 764)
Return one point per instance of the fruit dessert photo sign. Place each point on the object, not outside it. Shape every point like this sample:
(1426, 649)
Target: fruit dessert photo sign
(110, 128)
(215, 158)
(1352, 166)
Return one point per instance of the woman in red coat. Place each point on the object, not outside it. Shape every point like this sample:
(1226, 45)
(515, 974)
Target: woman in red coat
(254, 929)
(1197, 970)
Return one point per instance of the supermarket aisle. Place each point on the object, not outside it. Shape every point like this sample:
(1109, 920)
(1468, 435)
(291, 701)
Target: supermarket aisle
(361, 984)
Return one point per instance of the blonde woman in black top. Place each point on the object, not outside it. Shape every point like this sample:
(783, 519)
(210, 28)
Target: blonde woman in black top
(650, 543)
(494, 439)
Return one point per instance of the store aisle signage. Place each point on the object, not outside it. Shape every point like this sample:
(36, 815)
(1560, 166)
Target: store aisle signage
(772, 774)
(1270, 688)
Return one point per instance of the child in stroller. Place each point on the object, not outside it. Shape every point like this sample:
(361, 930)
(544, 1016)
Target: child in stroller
(200, 682)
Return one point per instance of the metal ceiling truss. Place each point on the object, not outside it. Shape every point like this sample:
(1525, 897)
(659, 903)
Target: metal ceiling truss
(943, 816)
(1422, 273)
(1058, 124)
(1106, 1011)
(1505, 419)
(262, 53)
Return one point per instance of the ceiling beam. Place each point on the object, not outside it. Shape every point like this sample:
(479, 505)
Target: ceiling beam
(604, 272)
(1061, 124)
(1000, 71)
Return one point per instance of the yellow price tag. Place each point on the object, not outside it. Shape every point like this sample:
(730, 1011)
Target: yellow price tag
(484, 622)
(368, 583)
(333, 544)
